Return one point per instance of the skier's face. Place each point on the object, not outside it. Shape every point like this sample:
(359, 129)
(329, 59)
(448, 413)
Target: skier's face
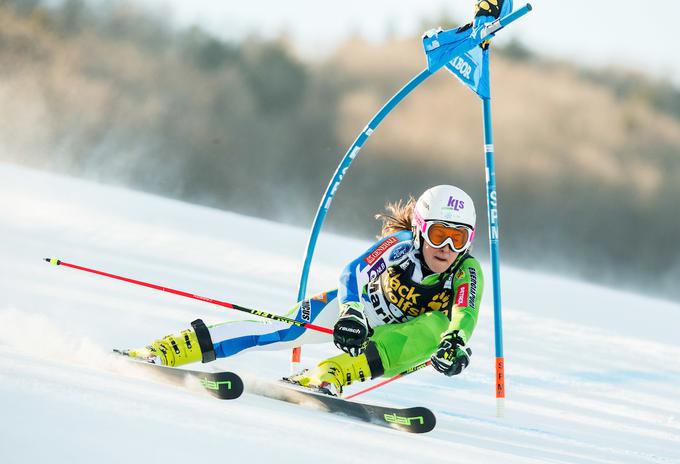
(438, 259)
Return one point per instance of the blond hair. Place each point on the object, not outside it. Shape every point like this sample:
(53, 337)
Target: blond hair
(396, 217)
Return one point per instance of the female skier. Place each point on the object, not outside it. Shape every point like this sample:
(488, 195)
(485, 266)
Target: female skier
(413, 294)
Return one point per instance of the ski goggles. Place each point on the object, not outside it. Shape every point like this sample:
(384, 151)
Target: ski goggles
(439, 234)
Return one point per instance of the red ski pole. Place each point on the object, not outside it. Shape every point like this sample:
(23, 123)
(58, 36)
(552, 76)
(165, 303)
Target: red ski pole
(398, 376)
(225, 304)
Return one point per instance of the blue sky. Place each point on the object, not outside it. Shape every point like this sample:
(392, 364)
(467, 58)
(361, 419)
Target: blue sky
(634, 34)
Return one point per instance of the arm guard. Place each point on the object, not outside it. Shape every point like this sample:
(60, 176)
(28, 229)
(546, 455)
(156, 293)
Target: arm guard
(468, 286)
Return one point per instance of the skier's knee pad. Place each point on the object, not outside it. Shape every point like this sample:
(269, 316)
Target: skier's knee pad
(401, 346)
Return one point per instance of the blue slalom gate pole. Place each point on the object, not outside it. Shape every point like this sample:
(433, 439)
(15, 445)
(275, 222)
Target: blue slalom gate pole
(492, 208)
(340, 172)
(489, 32)
(351, 154)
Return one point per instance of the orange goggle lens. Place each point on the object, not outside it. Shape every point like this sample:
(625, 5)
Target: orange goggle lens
(437, 235)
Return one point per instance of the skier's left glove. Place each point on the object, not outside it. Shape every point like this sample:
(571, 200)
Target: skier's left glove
(452, 356)
(351, 332)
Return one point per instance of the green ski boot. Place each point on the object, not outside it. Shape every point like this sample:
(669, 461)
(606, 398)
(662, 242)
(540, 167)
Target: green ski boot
(332, 374)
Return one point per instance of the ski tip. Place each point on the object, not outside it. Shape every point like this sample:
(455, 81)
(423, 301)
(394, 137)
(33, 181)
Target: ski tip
(53, 261)
(121, 352)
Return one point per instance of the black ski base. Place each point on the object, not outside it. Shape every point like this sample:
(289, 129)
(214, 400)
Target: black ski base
(415, 420)
(222, 385)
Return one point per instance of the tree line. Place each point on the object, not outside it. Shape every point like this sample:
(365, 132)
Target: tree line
(588, 160)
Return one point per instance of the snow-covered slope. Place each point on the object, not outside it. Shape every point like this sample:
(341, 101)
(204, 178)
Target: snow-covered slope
(592, 373)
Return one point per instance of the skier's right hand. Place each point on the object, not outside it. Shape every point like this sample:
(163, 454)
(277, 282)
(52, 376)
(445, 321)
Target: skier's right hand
(351, 332)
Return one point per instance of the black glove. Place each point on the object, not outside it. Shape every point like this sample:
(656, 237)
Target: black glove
(452, 356)
(351, 332)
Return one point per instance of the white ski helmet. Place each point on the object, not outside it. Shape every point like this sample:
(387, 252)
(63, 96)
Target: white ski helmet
(443, 203)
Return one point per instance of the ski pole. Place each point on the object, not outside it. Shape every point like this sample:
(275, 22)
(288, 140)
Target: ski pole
(384, 382)
(225, 304)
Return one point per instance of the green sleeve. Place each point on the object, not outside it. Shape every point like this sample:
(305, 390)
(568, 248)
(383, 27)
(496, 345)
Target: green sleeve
(468, 286)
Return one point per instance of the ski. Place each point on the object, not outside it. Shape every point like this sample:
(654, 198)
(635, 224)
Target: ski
(415, 419)
(222, 385)
(228, 385)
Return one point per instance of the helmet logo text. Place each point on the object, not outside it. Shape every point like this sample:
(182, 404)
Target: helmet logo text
(457, 205)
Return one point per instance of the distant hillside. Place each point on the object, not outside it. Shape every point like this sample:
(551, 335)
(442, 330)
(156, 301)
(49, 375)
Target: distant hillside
(588, 161)
(588, 172)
